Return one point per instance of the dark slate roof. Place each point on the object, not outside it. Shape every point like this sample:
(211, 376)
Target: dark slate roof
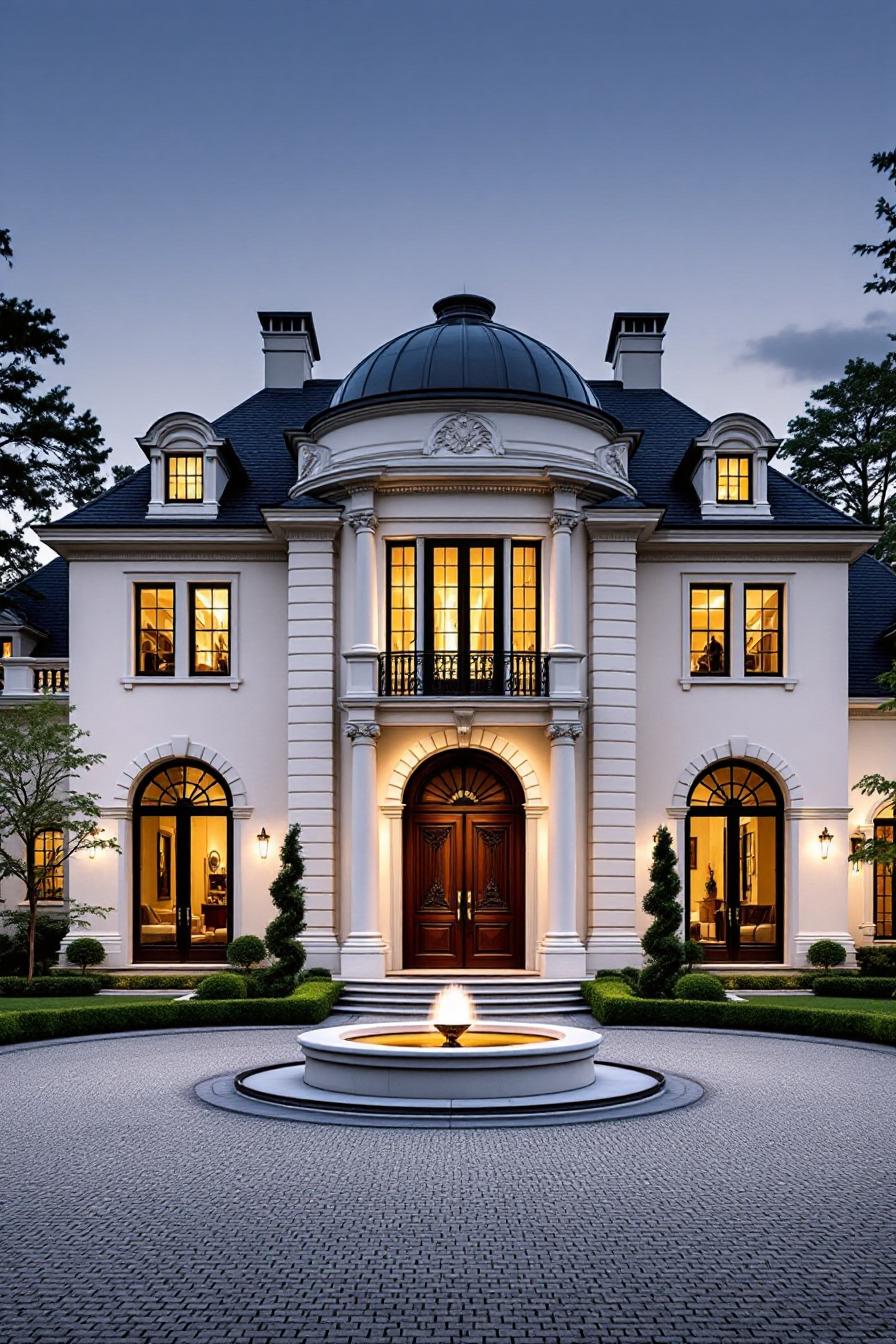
(872, 615)
(42, 602)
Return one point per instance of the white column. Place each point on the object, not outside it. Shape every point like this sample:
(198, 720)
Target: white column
(563, 521)
(364, 951)
(363, 523)
(562, 953)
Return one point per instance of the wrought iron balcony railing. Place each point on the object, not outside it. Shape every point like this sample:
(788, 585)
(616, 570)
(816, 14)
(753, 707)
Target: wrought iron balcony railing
(464, 674)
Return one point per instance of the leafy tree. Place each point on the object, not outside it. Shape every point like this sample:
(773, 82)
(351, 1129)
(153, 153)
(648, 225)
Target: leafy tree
(884, 280)
(282, 934)
(40, 756)
(664, 948)
(49, 455)
(844, 445)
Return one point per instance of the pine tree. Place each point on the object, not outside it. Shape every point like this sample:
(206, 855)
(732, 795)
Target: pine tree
(282, 934)
(661, 943)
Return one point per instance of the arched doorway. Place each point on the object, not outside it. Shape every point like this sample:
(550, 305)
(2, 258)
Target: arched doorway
(734, 885)
(464, 865)
(183, 843)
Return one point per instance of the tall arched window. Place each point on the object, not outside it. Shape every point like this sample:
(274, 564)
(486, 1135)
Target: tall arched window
(183, 842)
(734, 883)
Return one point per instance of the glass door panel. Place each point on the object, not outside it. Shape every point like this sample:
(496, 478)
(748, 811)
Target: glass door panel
(707, 860)
(158, 886)
(482, 615)
(445, 599)
(208, 915)
(758, 883)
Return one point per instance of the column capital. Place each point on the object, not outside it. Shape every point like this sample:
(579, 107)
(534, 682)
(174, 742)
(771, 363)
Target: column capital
(362, 520)
(565, 520)
(558, 731)
(360, 732)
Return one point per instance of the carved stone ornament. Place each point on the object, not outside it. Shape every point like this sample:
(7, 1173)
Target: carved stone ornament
(464, 435)
(359, 731)
(362, 520)
(564, 520)
(313, 459)
(612, 460)
(557, 731)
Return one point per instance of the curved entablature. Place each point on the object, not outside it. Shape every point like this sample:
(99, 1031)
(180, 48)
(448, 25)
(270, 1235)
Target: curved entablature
(180, 430)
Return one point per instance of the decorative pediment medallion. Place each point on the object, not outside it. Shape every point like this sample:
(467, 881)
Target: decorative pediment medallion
(612, 460)
(464, 435)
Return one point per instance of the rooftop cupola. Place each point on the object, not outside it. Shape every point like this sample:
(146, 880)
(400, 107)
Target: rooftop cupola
(635, 348)
(290, 348)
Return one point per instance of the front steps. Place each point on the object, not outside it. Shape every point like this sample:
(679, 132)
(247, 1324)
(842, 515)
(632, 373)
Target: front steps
(495, 996)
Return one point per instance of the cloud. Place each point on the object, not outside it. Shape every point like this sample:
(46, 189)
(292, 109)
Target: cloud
(820, 353)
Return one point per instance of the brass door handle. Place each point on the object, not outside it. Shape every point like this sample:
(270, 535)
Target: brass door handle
(469, 905)
(460, 905)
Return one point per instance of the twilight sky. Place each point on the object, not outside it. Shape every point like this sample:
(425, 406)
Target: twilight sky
(169, 168)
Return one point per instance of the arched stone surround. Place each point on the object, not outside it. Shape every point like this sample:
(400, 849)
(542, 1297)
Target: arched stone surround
(739, 747)
(479, 738)
(127, 781)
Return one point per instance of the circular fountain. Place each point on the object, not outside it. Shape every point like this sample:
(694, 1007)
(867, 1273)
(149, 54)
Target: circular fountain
(452, 1071)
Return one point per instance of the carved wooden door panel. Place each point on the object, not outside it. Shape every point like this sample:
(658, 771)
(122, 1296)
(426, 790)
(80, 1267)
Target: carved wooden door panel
(433, 879)
(494, 919)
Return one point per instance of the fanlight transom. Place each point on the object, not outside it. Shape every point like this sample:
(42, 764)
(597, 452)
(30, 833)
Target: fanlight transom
(734, 782)
(179, 784)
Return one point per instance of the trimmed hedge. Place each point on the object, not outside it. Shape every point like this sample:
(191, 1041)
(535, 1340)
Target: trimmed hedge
(123, 980)
(48, 987)
(309, 1004)
(774, 980)
(855, 986)
(877, 959)
(613, 1004)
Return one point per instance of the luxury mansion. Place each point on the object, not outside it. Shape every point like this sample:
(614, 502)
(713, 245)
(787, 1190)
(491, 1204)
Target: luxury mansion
(480, 625)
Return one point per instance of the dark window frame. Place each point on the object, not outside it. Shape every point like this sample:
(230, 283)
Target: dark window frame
(464, 546)
(766, 587)
(138, 611)
(883, 875)
(167, 459)
(194, 671)
(391, 546)
(538, 593)
(60, 866)
(726, 667)
(736, 457)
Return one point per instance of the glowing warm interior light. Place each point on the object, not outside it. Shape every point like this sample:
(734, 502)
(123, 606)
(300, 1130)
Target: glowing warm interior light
(453, 1006)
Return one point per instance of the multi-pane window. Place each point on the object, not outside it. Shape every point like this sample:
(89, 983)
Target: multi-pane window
(709, 630)
(5, 652)
(47, 859)
(524, 597)
(183, 477)
(734, 480)
(402, 611)
(210, 624)
(482, 599)
(883, 884)
(155, 630)
(762, 630)
(445, 599)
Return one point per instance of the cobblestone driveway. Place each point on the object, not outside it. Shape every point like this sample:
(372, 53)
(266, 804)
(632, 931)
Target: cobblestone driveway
(131, 1212)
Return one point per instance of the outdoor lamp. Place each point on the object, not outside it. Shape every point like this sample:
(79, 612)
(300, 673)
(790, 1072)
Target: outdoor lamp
(824, 841)
(263, 841)
(856, 841)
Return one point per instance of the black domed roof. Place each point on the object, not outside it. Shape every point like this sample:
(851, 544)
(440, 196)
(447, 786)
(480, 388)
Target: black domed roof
(464, 351)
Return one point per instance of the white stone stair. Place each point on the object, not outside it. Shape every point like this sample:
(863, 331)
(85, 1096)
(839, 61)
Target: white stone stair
(495, 996)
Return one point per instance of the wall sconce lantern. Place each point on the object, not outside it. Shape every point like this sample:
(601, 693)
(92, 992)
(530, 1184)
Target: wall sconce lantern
(94, 848)
(856, 841)
(824, 841)
(264, 841)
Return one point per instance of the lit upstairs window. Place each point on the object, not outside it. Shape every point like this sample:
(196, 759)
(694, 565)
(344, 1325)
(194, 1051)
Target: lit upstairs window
(402, 614)
(763, 647)
(734, 480)
(524, 599)
(183, 477)
(709, 631)
(210, 620)
(154, 635)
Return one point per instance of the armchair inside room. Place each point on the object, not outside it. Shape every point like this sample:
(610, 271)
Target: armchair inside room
(158, 924)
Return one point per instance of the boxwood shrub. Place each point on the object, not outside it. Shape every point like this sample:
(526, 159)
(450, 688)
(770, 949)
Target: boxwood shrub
(613, 1004)
(223, 985)
(855, 986)
(48, 986)
(309, 1004)
(698, 985)
(876, 959)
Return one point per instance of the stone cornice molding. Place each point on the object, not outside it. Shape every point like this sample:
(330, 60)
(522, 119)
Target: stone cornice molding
(637, 524)
(817, 813)
(760, 545)
(299, 525)
(159, 543)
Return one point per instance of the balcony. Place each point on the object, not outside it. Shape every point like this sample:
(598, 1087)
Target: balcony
(463, 674)
(24, 678)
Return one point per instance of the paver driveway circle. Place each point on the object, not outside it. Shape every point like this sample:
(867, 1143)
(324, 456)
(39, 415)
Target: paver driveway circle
(133, 1213)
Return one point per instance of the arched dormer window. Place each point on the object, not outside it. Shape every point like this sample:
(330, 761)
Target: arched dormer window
(729, 468)
(190, 467)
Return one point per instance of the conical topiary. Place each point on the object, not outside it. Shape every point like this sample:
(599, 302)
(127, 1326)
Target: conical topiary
(282, 934)
(661, 943)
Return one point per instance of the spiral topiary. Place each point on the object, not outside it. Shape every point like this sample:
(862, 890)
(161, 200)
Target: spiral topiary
(282, 934)
(661, 943)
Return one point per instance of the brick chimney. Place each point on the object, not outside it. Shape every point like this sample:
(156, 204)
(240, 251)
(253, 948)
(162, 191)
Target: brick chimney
(635, 348)
(290, 348)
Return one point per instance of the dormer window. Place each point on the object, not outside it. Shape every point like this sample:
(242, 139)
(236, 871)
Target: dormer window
(183, 477)
(734, 480)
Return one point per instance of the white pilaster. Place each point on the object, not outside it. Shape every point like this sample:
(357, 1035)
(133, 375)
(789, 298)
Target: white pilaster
(362, 657)
(364, 951)
(562, 953)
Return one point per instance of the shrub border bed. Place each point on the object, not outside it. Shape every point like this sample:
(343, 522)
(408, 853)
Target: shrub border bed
(614, 1004)
(311, 1003)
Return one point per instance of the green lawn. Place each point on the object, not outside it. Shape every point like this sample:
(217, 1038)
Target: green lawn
(843, 1005)
(30, 1003)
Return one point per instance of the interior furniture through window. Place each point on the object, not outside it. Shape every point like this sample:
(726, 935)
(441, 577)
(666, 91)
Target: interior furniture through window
(154, 635)
(709, 645)
(763, 633)
(210, 625)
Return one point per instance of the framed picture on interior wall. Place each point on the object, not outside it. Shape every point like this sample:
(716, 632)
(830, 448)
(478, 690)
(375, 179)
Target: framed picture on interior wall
(692, 851)
(163, 875)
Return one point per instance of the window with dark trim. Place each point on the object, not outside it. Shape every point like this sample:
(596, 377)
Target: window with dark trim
(525, 581)
(401, 609)
(883, 882)
(763, 630)
(734, 479)
(183, 477)
(709, 651)
(46, 856)
(210, 630)
(154, 634)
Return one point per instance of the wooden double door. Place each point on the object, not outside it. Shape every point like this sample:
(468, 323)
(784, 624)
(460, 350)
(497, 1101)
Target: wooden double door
(464, 876)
